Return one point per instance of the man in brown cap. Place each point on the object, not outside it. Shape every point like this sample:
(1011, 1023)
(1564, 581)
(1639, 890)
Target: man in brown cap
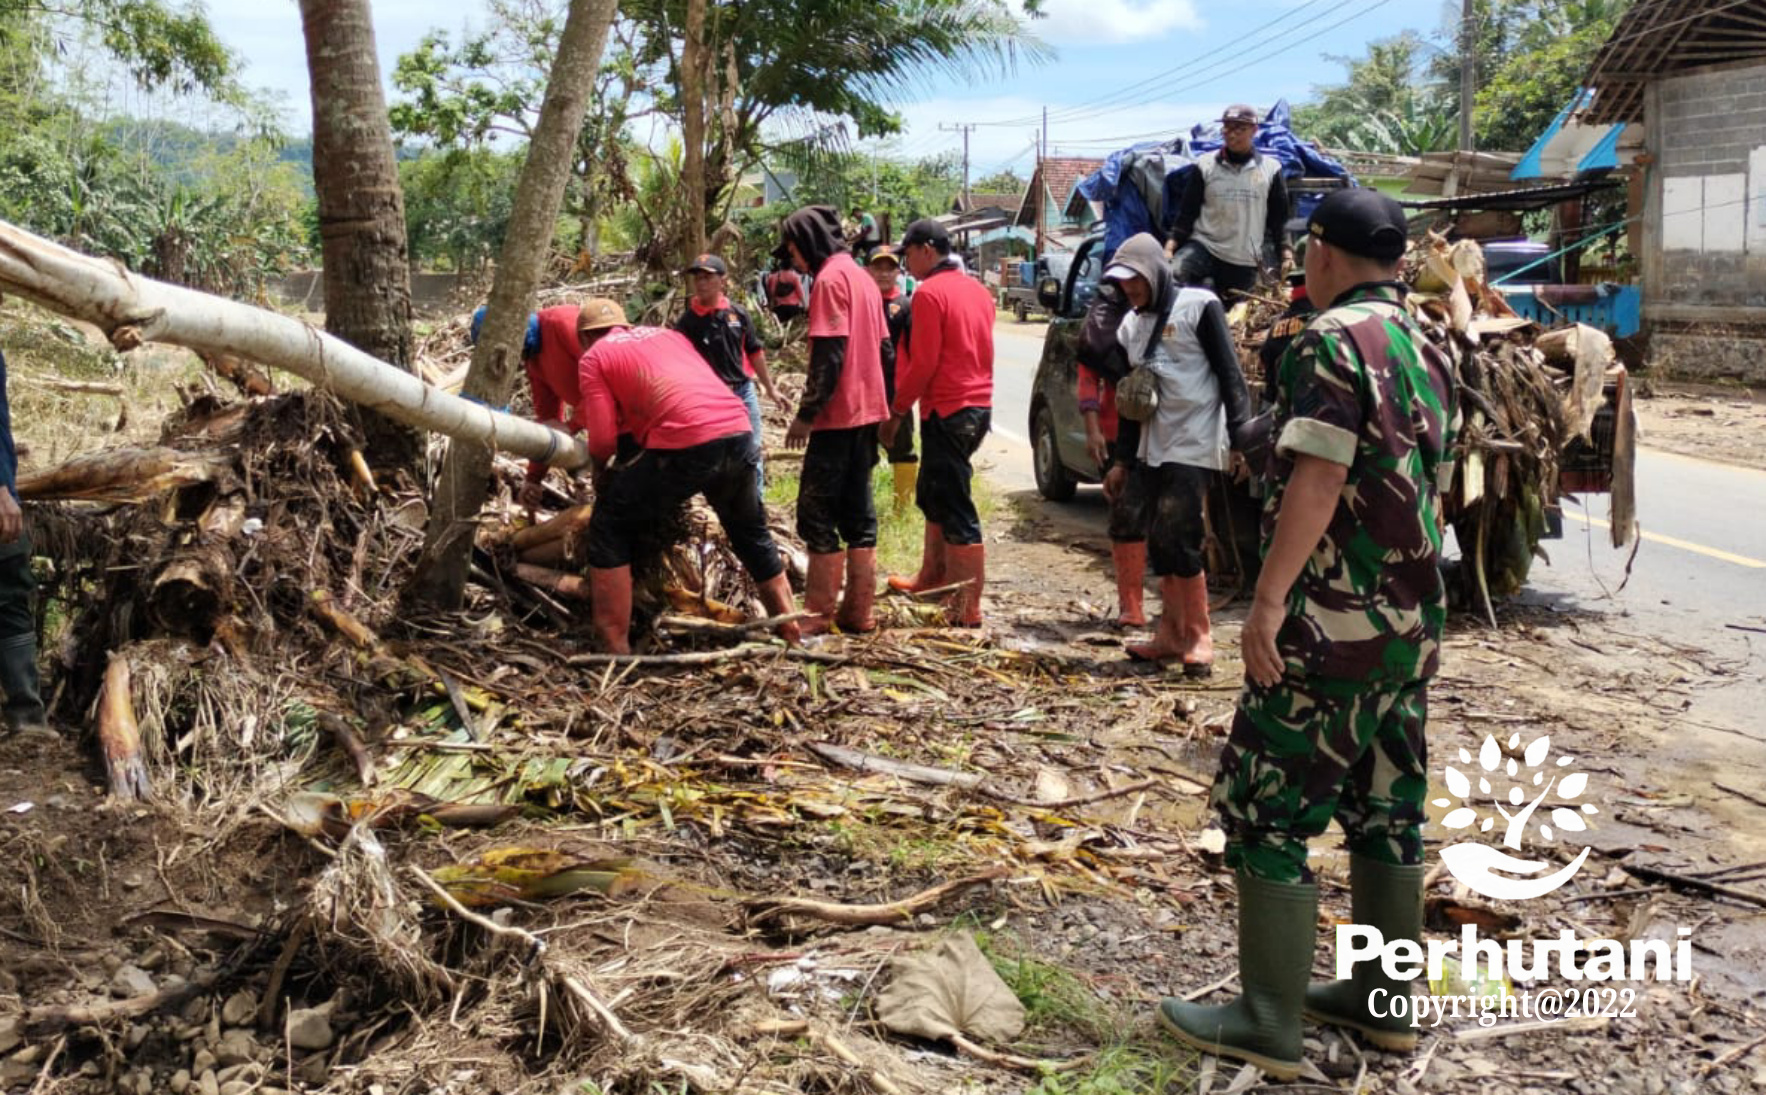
(1231, 217)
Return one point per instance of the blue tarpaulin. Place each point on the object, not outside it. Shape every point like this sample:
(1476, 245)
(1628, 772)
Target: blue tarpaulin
(1135, 200)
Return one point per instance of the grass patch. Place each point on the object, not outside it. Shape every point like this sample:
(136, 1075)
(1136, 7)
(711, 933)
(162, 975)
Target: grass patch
(1132, 1058)
(900, 534)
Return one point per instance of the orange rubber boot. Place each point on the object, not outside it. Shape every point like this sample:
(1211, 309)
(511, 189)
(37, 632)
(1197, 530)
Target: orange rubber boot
(821, 591)
(775, 594)
(1198, 635)
(611, 588)
(932, 564)
(856, 615)
(1168, 639)
(1131, 581)
(966, 563)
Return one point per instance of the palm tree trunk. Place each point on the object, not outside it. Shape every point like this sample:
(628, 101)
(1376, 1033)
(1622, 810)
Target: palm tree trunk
(440, 578)
(361, 205)
(695, 62)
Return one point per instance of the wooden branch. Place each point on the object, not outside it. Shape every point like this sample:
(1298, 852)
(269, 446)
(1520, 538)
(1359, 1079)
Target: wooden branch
(1687, 882)
(852, 1060)
(341, 621)
(1012, 1060)
(913, 773)
(50, 1018)
(711, 657)
(1731, 1055)
(78, 387)
(573, 586)
(1581, 1025)
(891, 912)
(335, 725)
(1069, 803)
(715, 627)
(558, 528)
(534, 942)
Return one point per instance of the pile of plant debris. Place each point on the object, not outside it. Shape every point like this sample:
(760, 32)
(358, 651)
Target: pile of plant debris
(1531, 403)
(516, 861)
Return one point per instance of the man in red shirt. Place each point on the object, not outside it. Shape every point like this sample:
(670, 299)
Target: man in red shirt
(949, 373)
(836, 422)
(693, 438)
(885, 268)
(548, 353)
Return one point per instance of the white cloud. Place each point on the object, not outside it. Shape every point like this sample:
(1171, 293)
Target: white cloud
(1077, 22)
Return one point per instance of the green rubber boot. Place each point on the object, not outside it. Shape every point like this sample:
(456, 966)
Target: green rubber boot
(1278, 925)
(1391, 899)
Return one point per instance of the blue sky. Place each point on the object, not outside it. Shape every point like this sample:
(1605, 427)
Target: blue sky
(1125, 70)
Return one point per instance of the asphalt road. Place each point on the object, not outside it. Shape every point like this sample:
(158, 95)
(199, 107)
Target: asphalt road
(1698, 578)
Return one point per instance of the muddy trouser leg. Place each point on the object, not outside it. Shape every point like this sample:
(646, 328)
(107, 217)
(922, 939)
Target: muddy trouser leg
(820, 487)
(1297, 747)
(1230, 280)
(652, 485)
(856, 514)
(730, 491)
(948, 445)
(1177, 529)
(1192, 264)
(18, 636)
(1131, 509)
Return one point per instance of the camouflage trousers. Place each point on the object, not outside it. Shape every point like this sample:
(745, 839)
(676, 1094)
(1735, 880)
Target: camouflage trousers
(1314, 748)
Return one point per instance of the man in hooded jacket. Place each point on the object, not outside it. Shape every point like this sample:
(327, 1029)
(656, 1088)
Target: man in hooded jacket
(836, 423)
(1181, 334)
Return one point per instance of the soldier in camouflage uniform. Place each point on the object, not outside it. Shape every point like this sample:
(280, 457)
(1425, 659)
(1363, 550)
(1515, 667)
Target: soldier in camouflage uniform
(1340, 643)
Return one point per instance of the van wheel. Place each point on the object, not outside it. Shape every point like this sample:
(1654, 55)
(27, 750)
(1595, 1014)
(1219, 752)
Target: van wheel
(1053, 480)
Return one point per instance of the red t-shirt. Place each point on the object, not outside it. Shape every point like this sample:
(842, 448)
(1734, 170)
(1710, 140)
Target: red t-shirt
(844, 303)
(551, 374)
(950, 348)
(651, 383)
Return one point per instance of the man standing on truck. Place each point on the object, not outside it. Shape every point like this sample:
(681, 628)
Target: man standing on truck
(949, 373)
(1341, 640)
(1233, 214)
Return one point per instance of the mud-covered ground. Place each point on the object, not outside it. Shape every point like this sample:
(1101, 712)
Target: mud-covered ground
(109, 903)
(1722, 424)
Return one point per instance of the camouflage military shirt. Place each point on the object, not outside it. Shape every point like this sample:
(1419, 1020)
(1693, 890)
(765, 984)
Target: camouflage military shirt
(1364, 388)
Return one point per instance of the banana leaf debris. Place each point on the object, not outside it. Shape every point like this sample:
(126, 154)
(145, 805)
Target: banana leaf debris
(499, 845)
(1532, 401)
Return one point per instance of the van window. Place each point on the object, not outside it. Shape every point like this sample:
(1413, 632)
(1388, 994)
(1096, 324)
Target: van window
(1085, 280)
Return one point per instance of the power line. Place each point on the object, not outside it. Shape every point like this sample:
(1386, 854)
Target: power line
(1116, 94)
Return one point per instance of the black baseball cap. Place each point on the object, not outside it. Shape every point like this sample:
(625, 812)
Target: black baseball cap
(709, 264)
(1361, 221)
(1239, 112)
(926, 230)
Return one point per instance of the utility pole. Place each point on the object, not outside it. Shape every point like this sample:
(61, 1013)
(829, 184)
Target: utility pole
(1468, 62)
(1042, 152)
(965, 130)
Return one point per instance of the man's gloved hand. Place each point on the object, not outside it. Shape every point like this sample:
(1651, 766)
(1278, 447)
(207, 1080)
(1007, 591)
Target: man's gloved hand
(1252, 439)
(1114, 480)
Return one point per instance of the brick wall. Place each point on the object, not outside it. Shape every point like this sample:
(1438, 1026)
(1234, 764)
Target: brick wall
(1710, 140)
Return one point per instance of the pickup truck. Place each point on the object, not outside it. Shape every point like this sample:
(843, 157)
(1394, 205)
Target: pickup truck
(1020, 297)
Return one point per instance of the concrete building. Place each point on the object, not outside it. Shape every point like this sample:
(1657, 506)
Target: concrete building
(1692, 73)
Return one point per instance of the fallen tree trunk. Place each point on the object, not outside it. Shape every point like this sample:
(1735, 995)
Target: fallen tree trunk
(132, 309)
(121, 475)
